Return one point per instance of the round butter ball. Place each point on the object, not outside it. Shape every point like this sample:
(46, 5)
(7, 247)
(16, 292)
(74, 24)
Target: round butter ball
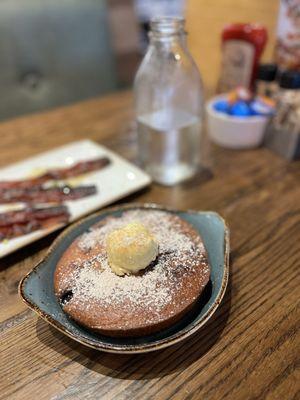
(130, 249)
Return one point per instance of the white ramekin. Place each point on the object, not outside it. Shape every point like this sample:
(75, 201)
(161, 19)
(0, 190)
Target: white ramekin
(235, 132)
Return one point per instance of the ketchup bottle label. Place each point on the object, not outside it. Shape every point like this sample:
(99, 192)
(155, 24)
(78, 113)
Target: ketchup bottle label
(237, 64)
(242, 46)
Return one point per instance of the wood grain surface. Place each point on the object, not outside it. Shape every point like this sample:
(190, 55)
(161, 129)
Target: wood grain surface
(249, 350)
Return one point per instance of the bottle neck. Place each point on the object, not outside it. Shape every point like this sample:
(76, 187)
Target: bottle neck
(167, 30)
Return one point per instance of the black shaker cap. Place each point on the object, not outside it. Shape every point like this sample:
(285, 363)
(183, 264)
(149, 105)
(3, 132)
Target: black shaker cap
(289, 80)
(267, 72)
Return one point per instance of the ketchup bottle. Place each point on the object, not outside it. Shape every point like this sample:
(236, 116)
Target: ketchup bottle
(242, 46)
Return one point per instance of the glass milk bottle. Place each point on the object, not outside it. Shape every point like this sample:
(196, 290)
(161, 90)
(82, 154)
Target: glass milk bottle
(168, 102)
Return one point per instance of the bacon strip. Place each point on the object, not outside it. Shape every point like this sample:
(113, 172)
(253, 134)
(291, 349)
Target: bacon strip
(30, 220)
(39, 194)
(80, 168)
(29, 213)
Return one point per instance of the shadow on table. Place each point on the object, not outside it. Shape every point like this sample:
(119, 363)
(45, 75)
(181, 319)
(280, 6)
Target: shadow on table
(140, 366)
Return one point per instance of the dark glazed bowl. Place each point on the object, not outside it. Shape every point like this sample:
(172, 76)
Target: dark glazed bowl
(36, 288)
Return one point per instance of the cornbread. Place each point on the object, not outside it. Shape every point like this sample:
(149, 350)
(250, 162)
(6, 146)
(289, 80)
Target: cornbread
(137, 304)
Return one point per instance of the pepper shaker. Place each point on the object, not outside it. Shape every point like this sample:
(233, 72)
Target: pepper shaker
(283, 133)
(266, 84)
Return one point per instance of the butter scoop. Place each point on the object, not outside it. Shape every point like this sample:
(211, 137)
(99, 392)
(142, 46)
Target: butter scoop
(130, 249)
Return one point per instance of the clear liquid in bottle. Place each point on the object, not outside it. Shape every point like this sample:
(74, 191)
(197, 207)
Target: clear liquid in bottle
(169, 144)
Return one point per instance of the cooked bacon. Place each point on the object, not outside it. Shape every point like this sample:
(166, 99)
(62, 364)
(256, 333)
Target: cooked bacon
(19, 229)
(80, 168)
(39, 194)
(28, 214)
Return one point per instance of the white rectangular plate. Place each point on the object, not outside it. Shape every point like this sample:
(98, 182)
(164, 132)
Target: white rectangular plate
(113, 182)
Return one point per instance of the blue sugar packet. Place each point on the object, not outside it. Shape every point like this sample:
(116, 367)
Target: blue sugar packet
(240, 109)
(221, 106)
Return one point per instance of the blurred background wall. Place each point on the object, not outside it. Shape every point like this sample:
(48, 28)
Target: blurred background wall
(205, 20)
(55, 52)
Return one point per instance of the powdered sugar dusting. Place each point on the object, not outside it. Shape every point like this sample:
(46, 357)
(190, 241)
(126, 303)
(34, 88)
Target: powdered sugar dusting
(107, 287)
(158, 222)
(93, 279)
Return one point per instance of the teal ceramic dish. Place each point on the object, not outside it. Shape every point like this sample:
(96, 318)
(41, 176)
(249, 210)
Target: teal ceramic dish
(36, 288)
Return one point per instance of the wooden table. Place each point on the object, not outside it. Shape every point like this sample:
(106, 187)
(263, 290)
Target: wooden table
(247, 351)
